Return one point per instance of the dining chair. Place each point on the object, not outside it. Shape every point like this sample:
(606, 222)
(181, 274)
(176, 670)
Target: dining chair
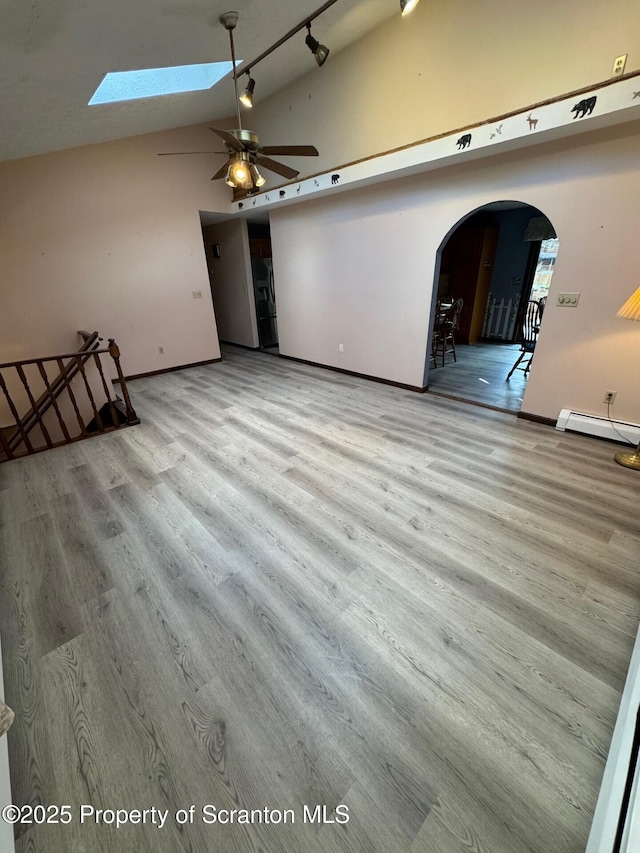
(530, 331)
(446, 324)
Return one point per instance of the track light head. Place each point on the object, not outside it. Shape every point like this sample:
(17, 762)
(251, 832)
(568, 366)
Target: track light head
(246, 98)
(407, 6)
(320, 51)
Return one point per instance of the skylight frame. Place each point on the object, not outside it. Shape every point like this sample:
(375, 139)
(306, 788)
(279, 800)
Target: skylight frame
(121, 86)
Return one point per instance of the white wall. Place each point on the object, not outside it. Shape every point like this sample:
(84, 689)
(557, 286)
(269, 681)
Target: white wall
(358, 270)
(447, 65)
(108, 237)
(6, 830)
(232, 282)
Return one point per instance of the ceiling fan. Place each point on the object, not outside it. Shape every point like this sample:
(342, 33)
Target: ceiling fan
(243, 148)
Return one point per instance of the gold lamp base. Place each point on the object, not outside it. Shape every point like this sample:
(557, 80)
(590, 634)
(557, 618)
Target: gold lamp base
(629, 458)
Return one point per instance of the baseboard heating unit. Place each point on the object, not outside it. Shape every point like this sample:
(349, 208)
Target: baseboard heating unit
(598, 427)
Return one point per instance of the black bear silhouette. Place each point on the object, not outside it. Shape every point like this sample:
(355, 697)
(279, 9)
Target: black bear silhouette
(585, 107)
(335, 178)
(464, 141)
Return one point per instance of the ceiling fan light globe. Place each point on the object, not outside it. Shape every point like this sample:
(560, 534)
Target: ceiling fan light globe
(407, 6)
(240, 174)
(258, 179)
(230, 180)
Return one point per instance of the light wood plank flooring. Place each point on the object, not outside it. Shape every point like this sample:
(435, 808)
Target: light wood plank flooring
(288, 586)
(480, 375)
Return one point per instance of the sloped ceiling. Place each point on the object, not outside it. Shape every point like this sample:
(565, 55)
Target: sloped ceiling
(56, 52)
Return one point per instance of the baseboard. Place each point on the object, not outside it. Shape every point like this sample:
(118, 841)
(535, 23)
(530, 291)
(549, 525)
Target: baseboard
(416, 388)
(169, 369)
(469, 402)
(240, 346)
(537, 419)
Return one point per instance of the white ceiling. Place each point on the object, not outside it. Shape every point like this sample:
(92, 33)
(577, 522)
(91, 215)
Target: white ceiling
(56, 52)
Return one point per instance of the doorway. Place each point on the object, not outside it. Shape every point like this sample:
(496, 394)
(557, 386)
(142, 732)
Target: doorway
(493, 259)
(263, 286)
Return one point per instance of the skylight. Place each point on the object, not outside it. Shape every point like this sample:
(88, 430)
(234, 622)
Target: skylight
(152, 82)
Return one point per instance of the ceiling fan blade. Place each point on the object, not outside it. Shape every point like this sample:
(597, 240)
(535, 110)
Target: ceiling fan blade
(292, 150)
(228, 138)
(279, 168)
(175, 153)
(222, 171)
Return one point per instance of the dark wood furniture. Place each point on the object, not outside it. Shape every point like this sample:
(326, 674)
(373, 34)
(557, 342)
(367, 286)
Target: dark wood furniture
(530, 331)
(446, 325)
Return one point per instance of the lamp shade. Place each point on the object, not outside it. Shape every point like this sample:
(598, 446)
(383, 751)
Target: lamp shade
(407, 5)
(631, 308)
(630, 311)
(320, 51)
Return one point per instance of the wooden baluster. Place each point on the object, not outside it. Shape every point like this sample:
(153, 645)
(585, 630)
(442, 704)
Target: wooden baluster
(34, 406)
(67, 382)
(5, 446)
(54, 402)
(96, 413)
(114, 352)
(14, 412)
(115, 420)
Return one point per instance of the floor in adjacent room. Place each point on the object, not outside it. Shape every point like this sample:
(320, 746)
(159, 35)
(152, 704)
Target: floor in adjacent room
(480, 375)
(289, 587)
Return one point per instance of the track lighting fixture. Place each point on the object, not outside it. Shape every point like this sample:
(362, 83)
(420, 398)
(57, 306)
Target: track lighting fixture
(407, 6)
(246, 98)
(320, 51)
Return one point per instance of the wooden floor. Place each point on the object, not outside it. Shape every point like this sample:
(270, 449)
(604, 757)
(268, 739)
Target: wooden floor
(291, 587)
(480, 375)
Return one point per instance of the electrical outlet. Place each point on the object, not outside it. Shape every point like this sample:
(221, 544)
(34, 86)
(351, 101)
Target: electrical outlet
(618, 65)
(161, 350)
(609, 396)
(197, 294)
(340, 347)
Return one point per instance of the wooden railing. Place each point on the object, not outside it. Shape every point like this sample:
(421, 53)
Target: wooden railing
(79, 410)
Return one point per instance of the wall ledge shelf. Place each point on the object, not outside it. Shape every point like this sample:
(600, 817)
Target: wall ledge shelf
(606, 104)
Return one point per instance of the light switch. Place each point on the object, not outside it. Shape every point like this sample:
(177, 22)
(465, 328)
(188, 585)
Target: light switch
(568, 300)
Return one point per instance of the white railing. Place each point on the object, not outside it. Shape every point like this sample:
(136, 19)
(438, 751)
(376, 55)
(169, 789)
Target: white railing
(500, 318)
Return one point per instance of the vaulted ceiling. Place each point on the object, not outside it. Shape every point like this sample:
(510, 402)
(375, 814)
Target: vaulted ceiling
(54, 53)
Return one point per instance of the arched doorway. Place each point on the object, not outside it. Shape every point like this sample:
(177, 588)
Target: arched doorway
(496, 259)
